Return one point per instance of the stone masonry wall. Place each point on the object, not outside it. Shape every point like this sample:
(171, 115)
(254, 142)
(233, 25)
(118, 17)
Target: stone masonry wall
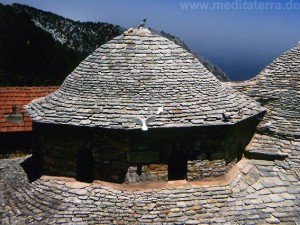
(110, 155)
(62, 148)
(135, 156)
(151, 172)
(199, 169)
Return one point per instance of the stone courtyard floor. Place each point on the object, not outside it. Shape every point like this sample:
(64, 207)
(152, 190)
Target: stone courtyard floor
(258, 192)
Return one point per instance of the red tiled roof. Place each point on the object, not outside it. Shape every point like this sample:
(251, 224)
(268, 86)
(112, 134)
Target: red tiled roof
(19, 96)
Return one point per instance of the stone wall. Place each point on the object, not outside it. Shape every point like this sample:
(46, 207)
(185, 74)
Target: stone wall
(62, 148)
(199, 169)
(131, 156)
(110, 151)
(150, 172)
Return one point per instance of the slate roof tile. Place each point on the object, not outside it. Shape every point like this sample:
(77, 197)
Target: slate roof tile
(132, 75)
(278, 88)
(252, 197)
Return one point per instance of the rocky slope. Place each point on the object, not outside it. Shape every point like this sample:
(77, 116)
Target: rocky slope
(85, 37)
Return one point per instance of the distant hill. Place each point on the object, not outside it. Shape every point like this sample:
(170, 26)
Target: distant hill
(42, 48)
(83, 37)
(29, 55)
(218, 72)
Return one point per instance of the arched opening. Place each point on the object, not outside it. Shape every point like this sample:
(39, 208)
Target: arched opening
(85, 166)
(177, 168)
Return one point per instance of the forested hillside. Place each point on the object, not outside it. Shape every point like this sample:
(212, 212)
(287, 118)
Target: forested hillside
(42, 48)
(29, 55)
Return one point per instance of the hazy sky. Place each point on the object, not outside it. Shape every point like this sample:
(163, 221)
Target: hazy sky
(239, 36)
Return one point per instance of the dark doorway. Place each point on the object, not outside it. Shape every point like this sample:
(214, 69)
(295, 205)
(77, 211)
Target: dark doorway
(177, 168)
(85, 166)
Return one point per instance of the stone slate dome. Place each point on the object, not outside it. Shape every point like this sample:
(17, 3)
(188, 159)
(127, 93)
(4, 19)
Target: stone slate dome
(278, 84)
(131, 76)
(277, 87)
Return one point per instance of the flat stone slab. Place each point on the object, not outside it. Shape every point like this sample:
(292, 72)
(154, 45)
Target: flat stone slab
(245, 198)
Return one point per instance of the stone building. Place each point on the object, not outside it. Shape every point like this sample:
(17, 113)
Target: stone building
(140, 108)
(260, 191)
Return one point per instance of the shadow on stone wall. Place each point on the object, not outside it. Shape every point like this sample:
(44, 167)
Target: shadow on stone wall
(32, 167)
(159, 154)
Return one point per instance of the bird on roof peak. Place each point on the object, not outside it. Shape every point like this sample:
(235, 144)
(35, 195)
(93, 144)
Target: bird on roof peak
(142, 24)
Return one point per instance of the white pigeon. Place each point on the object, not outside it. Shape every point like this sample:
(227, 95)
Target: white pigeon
(144, 121)
(241, 111)
(160, 110)
(267, 125)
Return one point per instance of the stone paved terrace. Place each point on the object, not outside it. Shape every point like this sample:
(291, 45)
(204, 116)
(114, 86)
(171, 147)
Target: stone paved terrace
(258, 192)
